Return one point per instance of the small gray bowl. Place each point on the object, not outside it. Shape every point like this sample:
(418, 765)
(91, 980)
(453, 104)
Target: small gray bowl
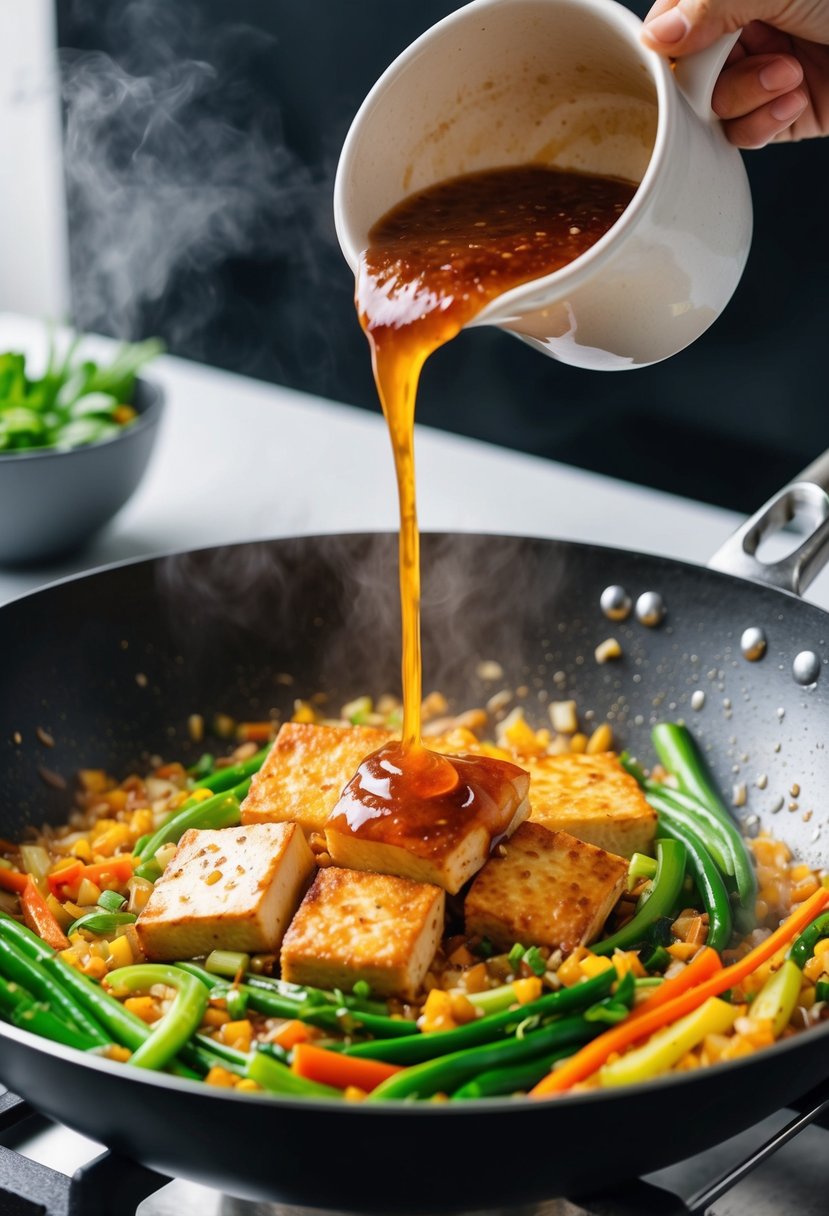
(53, 502)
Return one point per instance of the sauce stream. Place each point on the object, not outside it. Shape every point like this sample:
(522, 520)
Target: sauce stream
(432, 264)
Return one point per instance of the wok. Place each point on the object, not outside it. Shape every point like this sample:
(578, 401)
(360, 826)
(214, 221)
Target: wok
(112, 664)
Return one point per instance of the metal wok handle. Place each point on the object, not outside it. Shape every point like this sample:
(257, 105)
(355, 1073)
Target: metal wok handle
(807, 498)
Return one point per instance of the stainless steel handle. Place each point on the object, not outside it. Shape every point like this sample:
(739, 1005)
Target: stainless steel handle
(807, 499)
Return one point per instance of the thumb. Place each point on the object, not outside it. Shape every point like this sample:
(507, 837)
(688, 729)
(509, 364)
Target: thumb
(691, 25)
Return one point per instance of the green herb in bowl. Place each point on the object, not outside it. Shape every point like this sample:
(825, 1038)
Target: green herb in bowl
(74, 403)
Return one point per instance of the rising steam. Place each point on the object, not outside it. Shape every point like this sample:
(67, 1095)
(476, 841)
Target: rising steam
(163, 185)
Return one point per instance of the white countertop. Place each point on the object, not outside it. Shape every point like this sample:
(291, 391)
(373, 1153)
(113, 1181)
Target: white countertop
(238, 459)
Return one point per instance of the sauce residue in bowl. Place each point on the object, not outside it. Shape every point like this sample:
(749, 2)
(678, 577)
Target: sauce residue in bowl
(432, 264)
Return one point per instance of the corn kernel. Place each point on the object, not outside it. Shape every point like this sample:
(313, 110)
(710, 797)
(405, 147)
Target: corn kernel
(437, 1012)
(628, 960)
(246, 1085)
(353, 1093)
(578, 743)
(144, 1007)
(570, 971)
(215, 1017)
(221, 1077)
(527, 990)
(595, 965)
(237, 1034)
(462, 1009)
(601, 740)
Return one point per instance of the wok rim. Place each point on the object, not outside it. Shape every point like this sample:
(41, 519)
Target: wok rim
(424, 1109)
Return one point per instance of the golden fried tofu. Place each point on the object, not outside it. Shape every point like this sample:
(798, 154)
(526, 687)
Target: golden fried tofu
(357, 926)
(548, 890)
(593, 798)
(231, 889)
(441, 838)
(309, 765)
(305, 771)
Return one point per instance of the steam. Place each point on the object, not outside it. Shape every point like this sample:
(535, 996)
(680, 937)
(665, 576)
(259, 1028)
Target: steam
(164, 188)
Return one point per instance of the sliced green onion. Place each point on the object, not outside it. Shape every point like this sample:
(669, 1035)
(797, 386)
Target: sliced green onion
(101, 922)
(111, 901)
(227, 962)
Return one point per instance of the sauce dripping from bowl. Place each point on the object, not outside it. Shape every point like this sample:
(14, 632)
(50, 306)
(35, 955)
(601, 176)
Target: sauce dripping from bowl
(432, 264)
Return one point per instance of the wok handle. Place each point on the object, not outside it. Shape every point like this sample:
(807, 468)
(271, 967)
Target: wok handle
(805, 499)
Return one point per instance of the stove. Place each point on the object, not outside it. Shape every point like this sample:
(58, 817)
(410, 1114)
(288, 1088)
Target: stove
(778, 1167)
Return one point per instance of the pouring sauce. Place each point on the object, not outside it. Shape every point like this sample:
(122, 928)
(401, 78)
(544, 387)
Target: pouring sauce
(432, 264)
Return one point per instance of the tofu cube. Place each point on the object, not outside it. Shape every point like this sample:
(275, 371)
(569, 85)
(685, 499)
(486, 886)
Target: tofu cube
(305, 771)
(442, 840)
(358, 926)
(548, 890)
(593, 798)
(232, 889)
(308, 767)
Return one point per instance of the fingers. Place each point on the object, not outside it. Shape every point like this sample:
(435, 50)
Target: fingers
(679, 27)
(768, 122)
(752, 82)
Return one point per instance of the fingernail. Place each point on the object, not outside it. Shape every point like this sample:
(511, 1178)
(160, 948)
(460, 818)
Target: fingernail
(669, 28)
(779, 74)
(787, 108)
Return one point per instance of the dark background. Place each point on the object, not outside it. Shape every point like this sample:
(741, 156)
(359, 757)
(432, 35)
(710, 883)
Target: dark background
(726, 421)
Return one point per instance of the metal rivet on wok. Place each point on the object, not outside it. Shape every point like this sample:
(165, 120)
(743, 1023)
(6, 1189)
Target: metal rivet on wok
(650, 609)
(615, 603)
(753, 644)
(806, 667)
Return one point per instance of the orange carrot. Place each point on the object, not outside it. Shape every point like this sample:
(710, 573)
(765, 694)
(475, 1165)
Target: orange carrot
(331, 1068)
(643, 1024)
(292, 1032)
(701, 966)
(255, 732)
(39, 919)
(67, 876)
(115, 869)
(12, 880)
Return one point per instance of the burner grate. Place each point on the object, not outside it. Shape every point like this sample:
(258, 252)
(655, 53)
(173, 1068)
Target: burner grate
(111, 1185)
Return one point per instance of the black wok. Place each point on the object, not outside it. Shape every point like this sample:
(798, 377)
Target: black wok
(112, 664)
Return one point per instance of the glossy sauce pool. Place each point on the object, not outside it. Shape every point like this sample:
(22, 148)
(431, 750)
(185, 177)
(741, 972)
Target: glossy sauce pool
(432, 264)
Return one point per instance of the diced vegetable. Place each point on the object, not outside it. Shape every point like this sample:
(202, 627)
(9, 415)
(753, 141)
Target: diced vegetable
(37, 916)
(227, 962)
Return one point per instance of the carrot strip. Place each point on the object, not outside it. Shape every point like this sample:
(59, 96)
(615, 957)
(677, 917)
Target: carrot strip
(331, 1068)
(117, 869)
(639, 1026)
(13, 880)
(66, 876)
(39, 919)
(704, 964)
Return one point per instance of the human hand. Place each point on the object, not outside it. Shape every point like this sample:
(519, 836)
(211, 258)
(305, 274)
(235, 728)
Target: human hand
(775, 84)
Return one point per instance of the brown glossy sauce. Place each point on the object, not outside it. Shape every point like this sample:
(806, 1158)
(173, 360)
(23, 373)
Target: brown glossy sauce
(433, 263)
(425, 803)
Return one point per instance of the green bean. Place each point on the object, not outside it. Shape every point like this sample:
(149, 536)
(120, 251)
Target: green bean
(678, 752)
(19, 1007)
(670, 875)
(803, 946)
(344, 1000)
(510, 1079)
(421, 1047)
(181, 1021)
(687, 812)
(709, 883)
(232, 774)
(124, 1027)
(447, 1073)
(16, 965)
(220, 811)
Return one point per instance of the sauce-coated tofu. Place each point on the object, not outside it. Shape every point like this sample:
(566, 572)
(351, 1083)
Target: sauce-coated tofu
(548, 890)
(442, 839)
(232, 889)
(358, 926)
(593, 798)
(309, 765)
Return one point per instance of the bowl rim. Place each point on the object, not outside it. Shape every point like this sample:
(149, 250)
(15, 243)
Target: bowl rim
(145, 418)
